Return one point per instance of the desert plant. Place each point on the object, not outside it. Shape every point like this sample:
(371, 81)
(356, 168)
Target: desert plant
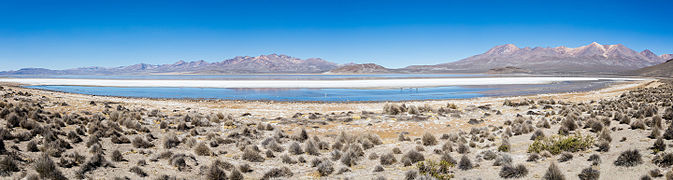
(465, 163)
(553, 173)
(463, 149)
(504, 146)
(663, 159)
(638, 124)
(46, 168)
(414, 156)
(325, 168)
(659, 145)
(509, 171)
(410, 175)
(378, 168)
(557, 144)
(565, 157)
(589, 174)
(397, 150)
(655, 133)
(533, 157)
(286, 159)
(295, 149)
(236, 175)
(311, 149)
(250, 154)
(116, 156)
(603, 146)
(436, 170)
(629, 158)
(502, 159)
(537, 135)
(140, 142)
(8, 166)
(138, 171)
(387, 159)
(278, 173)
(171, 141)
(429, 139)
(595, 159)
(202, 149)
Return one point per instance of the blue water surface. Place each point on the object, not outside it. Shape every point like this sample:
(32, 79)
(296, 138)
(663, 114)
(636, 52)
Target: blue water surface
(325, 95)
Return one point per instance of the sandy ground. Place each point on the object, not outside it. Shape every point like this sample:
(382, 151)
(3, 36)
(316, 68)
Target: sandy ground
(280, 114)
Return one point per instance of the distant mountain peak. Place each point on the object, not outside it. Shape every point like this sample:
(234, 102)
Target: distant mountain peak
(503, 49)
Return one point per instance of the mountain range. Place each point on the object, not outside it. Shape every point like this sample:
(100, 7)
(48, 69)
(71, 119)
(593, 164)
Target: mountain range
(590, 59)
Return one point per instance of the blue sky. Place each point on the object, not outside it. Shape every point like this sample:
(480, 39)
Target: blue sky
(68, 34)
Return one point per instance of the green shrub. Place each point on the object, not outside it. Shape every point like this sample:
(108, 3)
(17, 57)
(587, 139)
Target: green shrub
(438, 170)
(556, 144)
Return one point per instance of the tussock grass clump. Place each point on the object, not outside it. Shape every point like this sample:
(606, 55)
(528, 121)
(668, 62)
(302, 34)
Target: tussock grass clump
(236, 175)
(410, 175)
(116, 156)
(537, 135)
(287, 159)
(663, 159)
(589, 174)
(295, 149)
(565, 157)
(556, 144)
(215, 173)
(46, 168)
(278, 173)
(8, 166)
(436, 170)
(140, 142)
(138, 171)
(202, 149)
(569, 124)
(311, 149)
(32, 147)
(638, 124)
(659, 145)
(465, 163)
(553, 173)
(378, 168)
(603, 146)
(429, 139)
(414, 156)
(504, 146)
(171, 141)
(629, 158)
(509, 171)
(655, 133)
(533, 157)
(463, 149)
(605, 135)
(595, 159)
(120, 140)
(251, 155)
(387, 159)
(397, 150)
(502, 159)
(325, 168)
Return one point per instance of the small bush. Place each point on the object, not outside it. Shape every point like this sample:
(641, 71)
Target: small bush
(140, 142)
(287, 160)
(668, 134)
(249, 154)
(518, 171)
(557, 144)
(236, 175)
(8, 166)
(32, 146)
(629, 158)
(565, 157)
(569, 124)
(589, 174)
(387, 159)
(245, 168)
(465, 163)
(429, 139)
(378, 168)
(638, 124)
(533, 157)
(663, 160)
(325, 168)
(349, 159)
(295, 149)
(503, 159)
(414, 156)
(410, 175)
(595, 159)
(311, 149)
(437, 170)
(116, 156)
(553, 173)
(505, 146)
(278, 173)
(463, 149)
(397, 150)
(46, 168)
(138, 171)
(537, 135)
(603, 146)
(171, 141)
(202, 149)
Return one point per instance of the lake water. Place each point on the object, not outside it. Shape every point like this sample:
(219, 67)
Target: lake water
(321, 94)
(253, 76)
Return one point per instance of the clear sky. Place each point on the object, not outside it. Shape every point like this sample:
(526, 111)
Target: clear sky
(68, 34)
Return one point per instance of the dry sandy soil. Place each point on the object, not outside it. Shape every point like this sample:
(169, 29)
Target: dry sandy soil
(232, 134)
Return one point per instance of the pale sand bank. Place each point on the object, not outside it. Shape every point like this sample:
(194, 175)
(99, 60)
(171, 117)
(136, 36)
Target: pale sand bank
(373, 83)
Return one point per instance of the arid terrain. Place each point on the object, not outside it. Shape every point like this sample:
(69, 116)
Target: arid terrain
(619, 132)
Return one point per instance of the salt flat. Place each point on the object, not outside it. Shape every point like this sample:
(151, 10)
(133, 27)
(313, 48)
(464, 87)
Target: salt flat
(369, 83)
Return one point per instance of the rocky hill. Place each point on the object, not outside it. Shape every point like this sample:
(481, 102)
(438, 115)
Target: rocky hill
(660, 70)
(369, 68)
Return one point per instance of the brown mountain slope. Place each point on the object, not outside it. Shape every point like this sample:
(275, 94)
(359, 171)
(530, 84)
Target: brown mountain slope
(660, 70)
(368, 68)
